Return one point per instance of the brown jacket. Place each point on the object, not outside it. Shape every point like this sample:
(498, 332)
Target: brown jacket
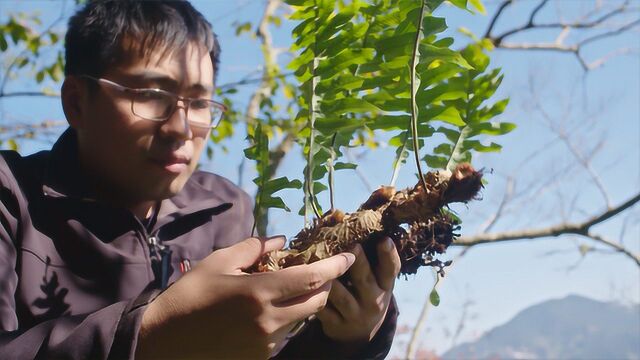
(76, 274)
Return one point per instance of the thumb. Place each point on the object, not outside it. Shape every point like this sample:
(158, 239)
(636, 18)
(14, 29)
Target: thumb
(388, 264)
(246, 252)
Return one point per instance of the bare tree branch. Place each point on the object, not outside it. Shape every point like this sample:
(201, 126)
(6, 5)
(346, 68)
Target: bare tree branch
(559, 44)
(530, 25)
(582, 229)
(29, 93)
(618, 52)
(264, 89)
(254, 80)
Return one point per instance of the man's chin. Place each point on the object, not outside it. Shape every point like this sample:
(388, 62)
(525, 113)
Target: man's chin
(176, 185)
(159, 192)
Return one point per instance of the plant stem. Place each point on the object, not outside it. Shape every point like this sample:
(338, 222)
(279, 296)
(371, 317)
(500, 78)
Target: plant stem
(331, 170)
(399, 160)
(414, 90)
(464, 131)
(313, 104)
(262, 158)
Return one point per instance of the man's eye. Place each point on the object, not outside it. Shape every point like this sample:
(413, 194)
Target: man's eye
(199, 104)
(150, 96)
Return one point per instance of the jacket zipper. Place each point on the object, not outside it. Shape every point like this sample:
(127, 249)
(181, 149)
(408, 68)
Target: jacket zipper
(162, 256)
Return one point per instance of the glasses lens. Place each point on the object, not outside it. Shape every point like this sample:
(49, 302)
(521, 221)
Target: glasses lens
(216, 115)
(200, 112)
(153, 105)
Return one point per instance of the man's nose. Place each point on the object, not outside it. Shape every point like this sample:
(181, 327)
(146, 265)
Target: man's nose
(177, 125)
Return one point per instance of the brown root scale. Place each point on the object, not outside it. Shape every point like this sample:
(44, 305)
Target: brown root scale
(415, 219)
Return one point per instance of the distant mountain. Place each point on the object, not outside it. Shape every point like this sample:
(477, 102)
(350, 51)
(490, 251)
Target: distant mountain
(571, 328)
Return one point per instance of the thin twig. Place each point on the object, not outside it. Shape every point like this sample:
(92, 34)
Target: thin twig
(495, 18)
(361, 176)
(536, 10)
(422, 319)
(610, 33)
(505, 199)
(584, 161)
(29, 93)
(254, 80)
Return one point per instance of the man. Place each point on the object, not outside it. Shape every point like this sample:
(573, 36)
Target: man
(97, 236)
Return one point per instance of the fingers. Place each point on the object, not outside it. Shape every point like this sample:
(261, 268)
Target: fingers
(299, 280)
(342, 300)
(388, 264)
(329, 315)
(279, 339)
(361, 275)
(246, 253)
(301, 307)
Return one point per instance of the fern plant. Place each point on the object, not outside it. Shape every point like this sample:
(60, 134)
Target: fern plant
(385, 66)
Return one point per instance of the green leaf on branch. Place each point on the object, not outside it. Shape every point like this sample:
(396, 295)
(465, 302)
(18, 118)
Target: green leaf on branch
(434, 298)
(479, 6)
(343, 60)
(259, 151)
(342, 165)
(3, 42)
(338, 124)
(389, 122)
(348, 105)
(242, 28)
(319, 187)
(281, 183)
(436, 162)
(491, 128)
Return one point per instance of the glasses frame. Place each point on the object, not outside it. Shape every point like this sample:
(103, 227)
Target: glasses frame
(186, 100)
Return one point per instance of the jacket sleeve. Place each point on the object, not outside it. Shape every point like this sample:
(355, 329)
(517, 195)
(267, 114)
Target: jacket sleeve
(109, 333)
(312, 343)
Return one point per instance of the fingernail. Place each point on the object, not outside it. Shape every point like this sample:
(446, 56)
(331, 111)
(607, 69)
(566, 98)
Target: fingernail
(276, 237)
(350, 258)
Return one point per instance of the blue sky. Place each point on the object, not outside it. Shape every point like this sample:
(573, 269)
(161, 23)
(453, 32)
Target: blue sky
(502, 279)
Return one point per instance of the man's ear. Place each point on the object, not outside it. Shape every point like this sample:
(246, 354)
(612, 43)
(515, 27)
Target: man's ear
(74, 98)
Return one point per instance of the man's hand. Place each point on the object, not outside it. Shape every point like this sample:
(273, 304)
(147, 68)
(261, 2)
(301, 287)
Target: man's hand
(355, 316)
(218, 311)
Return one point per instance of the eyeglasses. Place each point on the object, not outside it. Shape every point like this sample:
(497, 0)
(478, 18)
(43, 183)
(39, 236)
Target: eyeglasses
(159, 105)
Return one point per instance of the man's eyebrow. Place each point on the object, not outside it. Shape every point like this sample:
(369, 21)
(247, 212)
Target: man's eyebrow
(167, 81)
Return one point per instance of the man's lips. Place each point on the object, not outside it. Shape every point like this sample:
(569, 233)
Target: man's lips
(172, 163)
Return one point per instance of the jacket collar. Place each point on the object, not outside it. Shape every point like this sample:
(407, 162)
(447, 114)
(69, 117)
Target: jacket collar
(64, 178)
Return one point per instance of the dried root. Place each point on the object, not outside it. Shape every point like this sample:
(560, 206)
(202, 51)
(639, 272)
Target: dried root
(415, 219)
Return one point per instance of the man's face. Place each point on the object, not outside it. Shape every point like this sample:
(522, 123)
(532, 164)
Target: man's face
(135, 159)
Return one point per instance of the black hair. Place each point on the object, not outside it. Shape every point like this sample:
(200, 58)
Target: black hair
(103, 32)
